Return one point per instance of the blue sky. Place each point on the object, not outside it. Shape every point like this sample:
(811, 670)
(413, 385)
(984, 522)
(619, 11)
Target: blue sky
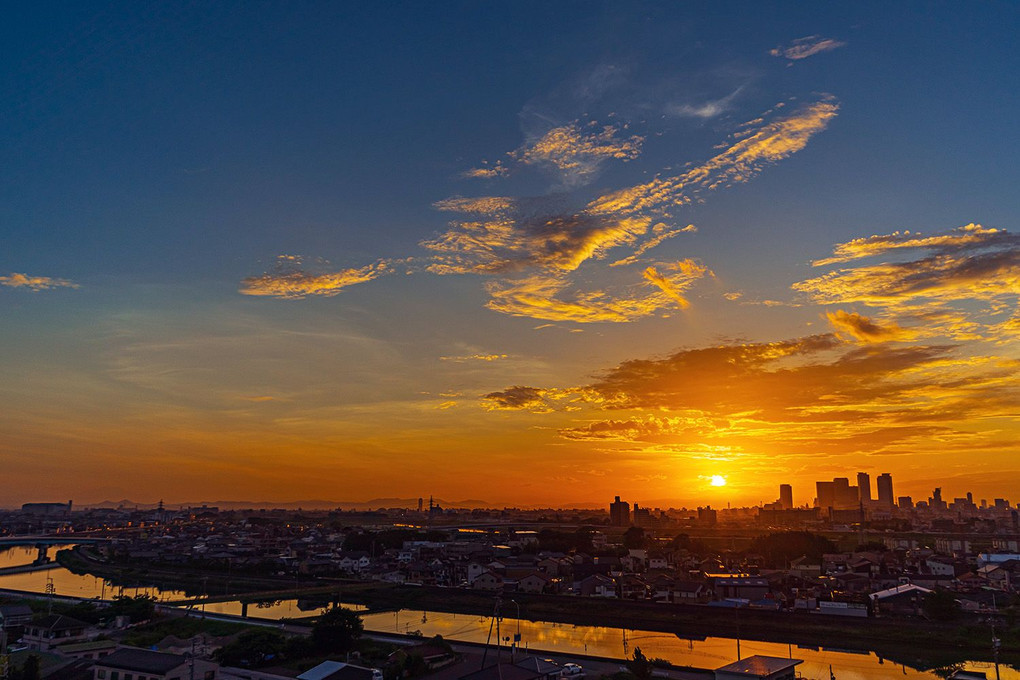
(232, 238)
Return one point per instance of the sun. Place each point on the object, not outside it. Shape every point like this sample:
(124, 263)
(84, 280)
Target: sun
(717, 480)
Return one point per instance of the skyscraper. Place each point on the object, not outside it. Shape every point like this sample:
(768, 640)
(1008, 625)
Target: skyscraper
(864, 487)
(885, 491)
(619, 513)
(785, 496)
(826, 492)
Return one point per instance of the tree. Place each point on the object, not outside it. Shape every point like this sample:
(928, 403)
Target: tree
(940, 605)
(640, 666)
(30, 669)
(336, 629)
(252, 648)
(138, 608)
(779, 548)
(634, 538)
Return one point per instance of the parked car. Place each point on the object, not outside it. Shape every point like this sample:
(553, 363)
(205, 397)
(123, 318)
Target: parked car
(571, 670)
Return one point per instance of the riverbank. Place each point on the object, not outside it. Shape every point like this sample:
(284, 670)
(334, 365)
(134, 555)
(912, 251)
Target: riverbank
(895, 638)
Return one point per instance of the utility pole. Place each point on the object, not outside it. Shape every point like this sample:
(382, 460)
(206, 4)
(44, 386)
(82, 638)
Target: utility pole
(5, 660)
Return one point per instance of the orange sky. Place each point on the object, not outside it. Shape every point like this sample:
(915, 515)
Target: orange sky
(258, 254)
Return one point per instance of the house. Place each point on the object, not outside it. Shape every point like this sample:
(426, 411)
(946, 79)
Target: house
(504, 671)
(12, 615)
(337, 670)
(760, 668)
(902, 599)
(535, 582)
(597, 585)
(489, 580)
(548, 669)
(95, 649)
(689, 592)
(53, 630)
(133, 663)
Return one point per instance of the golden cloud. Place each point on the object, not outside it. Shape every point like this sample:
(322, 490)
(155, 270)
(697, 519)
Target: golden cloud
(517, 398)
(864, 329)
(297, 284)
(578, 154)
(764, 145)
(802, 48)
(938, 289)
(816, 394)
(35, 283)
(534, 246)
(549, 297)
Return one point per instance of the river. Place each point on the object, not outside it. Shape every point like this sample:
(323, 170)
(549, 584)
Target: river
(559, 638)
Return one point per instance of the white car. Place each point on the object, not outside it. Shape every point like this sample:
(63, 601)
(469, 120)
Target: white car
(571, 670)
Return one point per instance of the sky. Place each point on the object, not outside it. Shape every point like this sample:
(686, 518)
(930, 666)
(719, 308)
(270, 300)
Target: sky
(527, 253)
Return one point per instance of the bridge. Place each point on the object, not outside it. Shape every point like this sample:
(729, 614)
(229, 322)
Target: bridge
(48, 539)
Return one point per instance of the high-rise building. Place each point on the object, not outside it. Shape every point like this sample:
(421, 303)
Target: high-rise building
(785, 496)
(885, 490)
(846, 495)
(864, 487)
(905, 502)
(619, 513)
(826, 494)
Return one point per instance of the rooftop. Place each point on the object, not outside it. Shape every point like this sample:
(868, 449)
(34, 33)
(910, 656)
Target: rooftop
(759, 666)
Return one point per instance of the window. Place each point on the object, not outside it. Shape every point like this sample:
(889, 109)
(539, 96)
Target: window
(210, 675)
(114, 675)
(128, 676)
(101, 674)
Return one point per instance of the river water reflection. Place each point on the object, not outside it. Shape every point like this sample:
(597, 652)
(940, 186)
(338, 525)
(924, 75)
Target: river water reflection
(559, 638)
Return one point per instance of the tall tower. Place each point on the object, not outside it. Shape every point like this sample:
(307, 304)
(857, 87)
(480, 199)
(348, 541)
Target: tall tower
(864, 487)
(619, 513)
(786, 496)
(885, 490)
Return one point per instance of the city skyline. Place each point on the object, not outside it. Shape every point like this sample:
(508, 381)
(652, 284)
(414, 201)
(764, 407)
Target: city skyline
(523, 253)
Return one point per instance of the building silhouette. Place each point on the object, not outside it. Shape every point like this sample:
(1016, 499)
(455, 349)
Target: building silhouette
(619, 513)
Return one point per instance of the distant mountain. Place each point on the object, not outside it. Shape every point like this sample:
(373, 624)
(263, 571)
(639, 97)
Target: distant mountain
(318, 504)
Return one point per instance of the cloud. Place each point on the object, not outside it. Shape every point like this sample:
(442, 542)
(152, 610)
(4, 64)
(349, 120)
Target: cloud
(542, 253)
(552, 298)
(704, 110)
(951, 271)
(475, 357)
(577, 153)
(763, 144)
(295, 284)
(966, 238)
(35, 283)
(802, 48)
(863, 329)
(516, 398)
(487, 171)
(809, 395)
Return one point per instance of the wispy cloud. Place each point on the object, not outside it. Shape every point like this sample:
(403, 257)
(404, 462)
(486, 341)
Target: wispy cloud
(765, 143)
(553, 298)
(35, 283)
(705, 109)
(578, 152)
(537, 251)
(967, 263)
(864, 329)
(486, 171)
(802, 48)
(290, 282)
(517, 398)
(476, 357)
(953, 270)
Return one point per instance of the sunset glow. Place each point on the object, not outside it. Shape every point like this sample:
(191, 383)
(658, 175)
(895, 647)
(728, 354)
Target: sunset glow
(515, 254)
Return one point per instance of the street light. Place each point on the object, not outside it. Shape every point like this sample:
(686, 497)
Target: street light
(517, 638)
